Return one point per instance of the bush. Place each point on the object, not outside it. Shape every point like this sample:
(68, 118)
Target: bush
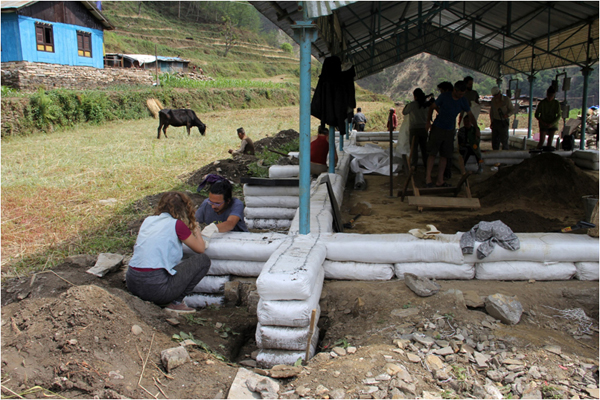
(287, 48)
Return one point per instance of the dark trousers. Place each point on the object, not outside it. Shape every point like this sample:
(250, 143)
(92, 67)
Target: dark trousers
(360, 127)
(419, 136)
(499, 134)
(467, 152)
(162, 288)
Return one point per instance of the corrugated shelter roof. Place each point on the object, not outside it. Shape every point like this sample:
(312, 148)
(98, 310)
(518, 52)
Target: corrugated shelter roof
(145, 58)
(11, 6)
(494, 38)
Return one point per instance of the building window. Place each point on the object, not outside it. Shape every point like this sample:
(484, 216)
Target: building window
(44, 37)
(84, 44)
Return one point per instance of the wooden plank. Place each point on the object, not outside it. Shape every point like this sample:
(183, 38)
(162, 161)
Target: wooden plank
(444, 202)
(271, 182)
(433, 190)
(463, 179)
(338, 226)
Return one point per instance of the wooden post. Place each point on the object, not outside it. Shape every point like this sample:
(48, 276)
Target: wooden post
(156, 62)
(310, 334)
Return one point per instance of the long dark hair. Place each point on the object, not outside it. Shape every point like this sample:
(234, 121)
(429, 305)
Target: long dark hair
(180, 206)
(224, 188)
(421, 98)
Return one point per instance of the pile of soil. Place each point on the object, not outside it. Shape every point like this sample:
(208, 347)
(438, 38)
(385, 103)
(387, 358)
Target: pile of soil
(237, 167)
(275, 142)
(544, 181)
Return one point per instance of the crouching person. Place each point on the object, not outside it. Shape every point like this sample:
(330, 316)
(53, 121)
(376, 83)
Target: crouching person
(222, 209)
(156, 271)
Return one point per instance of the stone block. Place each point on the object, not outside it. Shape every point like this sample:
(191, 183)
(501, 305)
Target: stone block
(174, 357)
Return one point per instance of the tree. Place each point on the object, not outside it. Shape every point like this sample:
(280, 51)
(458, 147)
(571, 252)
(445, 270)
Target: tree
(287, 47)
(229, 35)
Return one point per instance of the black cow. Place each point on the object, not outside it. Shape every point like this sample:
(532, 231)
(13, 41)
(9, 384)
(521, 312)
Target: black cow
(182, 117)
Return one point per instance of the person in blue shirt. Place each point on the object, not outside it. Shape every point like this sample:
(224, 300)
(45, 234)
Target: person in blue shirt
(221, 208)
(157, 271)
(441, 137)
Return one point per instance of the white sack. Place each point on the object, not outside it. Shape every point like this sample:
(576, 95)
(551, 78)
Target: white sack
(353, 271)
(211, 284)
(236, 267)
(268, 358)
(203, 300)
(586, 164)
(295, 313)
(284, 171)
(513, 154)
(542, 247)
(587, 271)
(524, 270)
(283, 338)
(507, 161)
(369, 136)
(591, 155)
(269, 213)
(256, 190)
(244, 246)
(392, 248)
(321, 212)
(261, 223)
(321, 221)
(437, 270)
(370, 158)
(293, 270)
(272, 201)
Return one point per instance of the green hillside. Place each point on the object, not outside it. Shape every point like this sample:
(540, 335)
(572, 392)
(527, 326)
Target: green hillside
(427, 71)
(199, 38)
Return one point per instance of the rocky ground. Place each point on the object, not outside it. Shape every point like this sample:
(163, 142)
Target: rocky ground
(67, 333)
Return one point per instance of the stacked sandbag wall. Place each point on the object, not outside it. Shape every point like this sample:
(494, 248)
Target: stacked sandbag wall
(270, 207)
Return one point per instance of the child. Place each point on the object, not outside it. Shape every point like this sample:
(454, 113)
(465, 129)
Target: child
(469, 137)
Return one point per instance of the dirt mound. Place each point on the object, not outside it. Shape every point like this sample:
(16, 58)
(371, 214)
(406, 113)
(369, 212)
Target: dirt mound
(273, 143)
(546, 180)
(82, 345)
(231, 168)
(237, 167)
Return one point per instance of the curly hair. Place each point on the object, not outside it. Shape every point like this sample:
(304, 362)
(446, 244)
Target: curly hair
(180, 206)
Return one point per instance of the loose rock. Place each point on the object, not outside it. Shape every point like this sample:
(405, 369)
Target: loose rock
(506, 309)
(174, 357)
(420, 285)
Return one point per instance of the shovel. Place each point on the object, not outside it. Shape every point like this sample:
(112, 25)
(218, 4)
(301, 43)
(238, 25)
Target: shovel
(577, 226)
(350, 225)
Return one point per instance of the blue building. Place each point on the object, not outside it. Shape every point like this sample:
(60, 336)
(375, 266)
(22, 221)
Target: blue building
(54, 32)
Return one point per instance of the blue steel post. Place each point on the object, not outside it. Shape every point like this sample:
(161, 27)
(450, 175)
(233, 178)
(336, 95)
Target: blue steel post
(305, 33)
(332, 149)
(584, 106)
(530, 78)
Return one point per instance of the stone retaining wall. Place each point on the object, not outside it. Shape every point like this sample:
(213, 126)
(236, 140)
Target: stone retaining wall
(28, 76)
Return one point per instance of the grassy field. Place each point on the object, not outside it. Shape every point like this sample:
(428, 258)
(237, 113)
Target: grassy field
(54, 186)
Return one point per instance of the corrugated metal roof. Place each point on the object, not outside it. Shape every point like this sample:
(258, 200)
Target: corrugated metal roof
(315, 9)
(494, 38)
(15, 4)
(146, 58)
(11, 6)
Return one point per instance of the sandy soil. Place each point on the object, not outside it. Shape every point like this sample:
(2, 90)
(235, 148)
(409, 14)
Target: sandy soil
(70, 333)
